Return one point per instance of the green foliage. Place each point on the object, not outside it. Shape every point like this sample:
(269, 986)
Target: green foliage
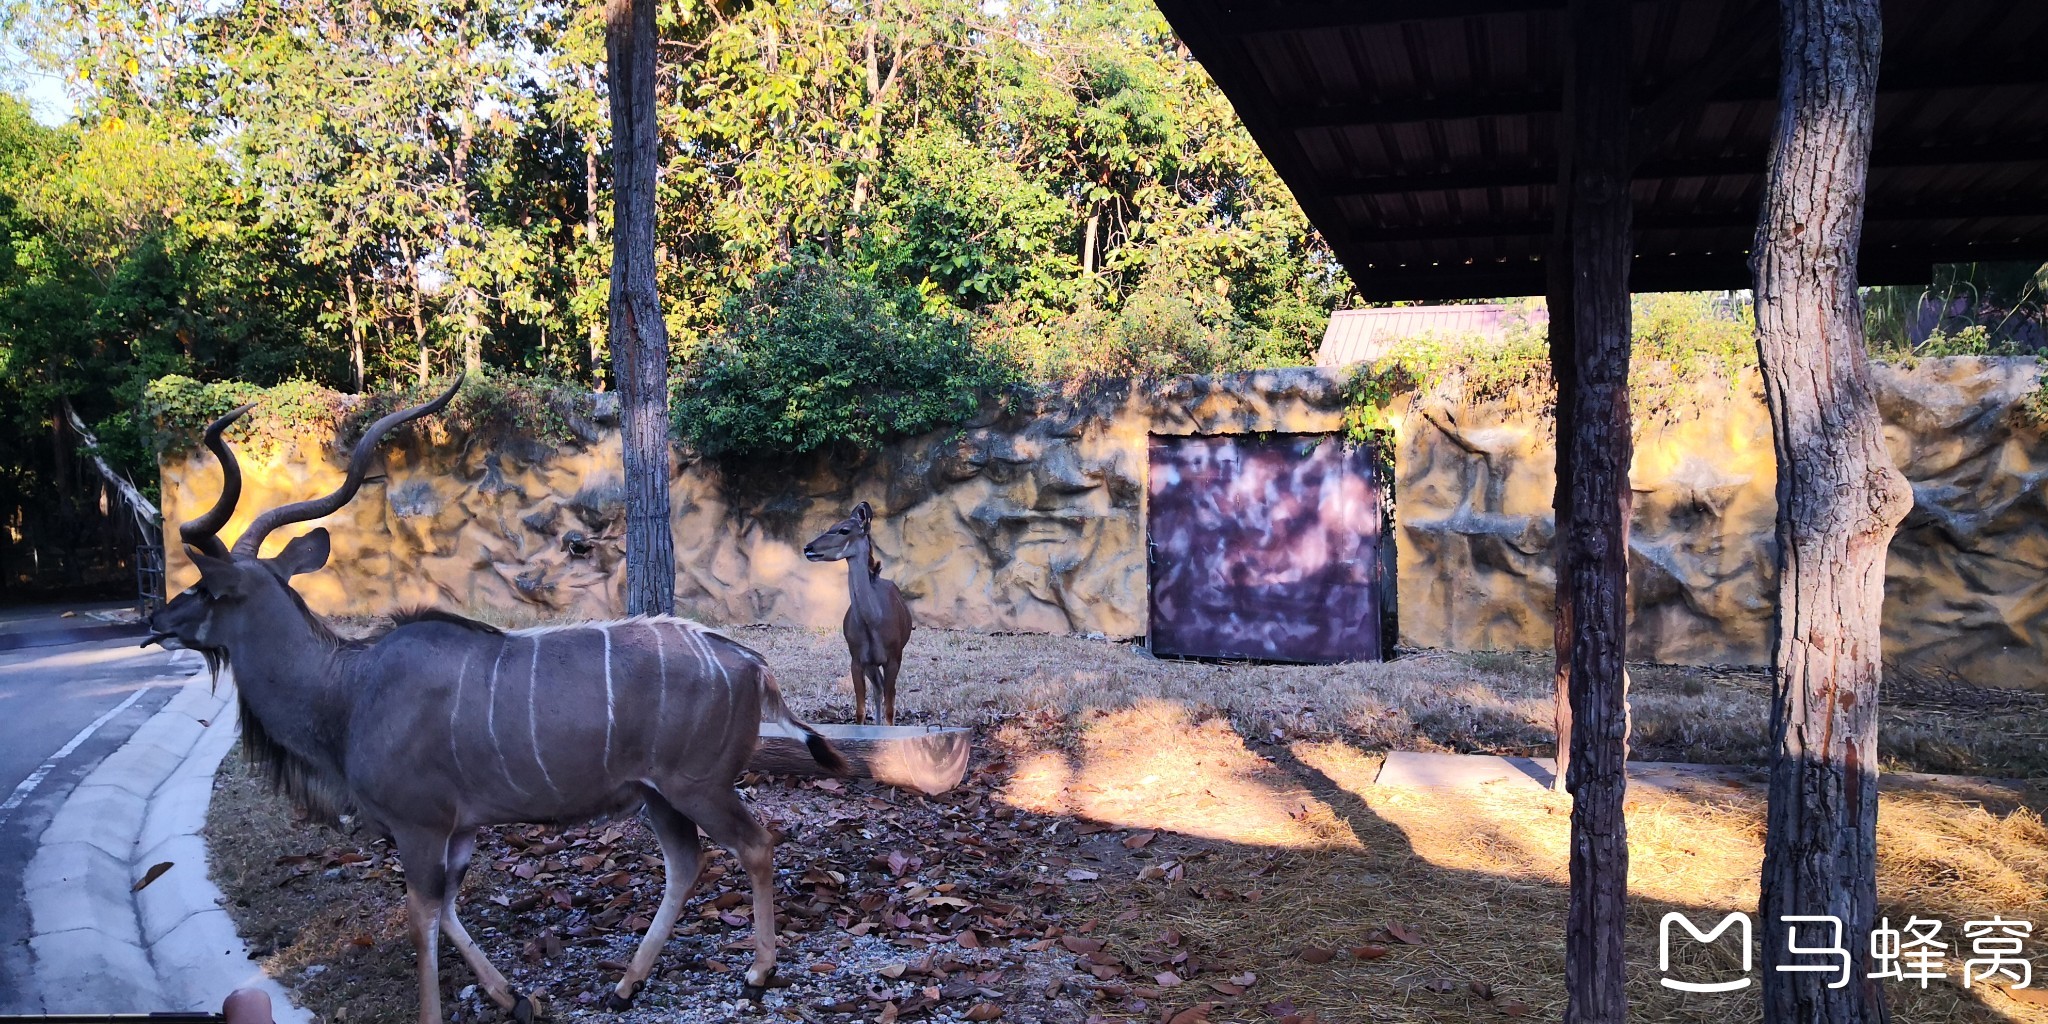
(490, 403)
(1969, 309)
(817, 357)
(1367, 393)
(1681, 341)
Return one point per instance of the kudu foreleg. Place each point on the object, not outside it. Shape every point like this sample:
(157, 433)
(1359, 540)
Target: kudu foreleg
(426, 887)
(493, 981)
(681, 858)
(860, 693)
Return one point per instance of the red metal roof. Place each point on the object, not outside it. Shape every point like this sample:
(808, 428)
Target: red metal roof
(1365, 335)
(1421, 135)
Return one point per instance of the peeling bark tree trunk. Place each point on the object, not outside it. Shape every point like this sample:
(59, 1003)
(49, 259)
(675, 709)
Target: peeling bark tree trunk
(639, 338)
(1594, 428)
(1839, 501)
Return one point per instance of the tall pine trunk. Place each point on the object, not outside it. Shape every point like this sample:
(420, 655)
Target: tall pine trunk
(639, 338)
(1595, 448)
(1839, 501)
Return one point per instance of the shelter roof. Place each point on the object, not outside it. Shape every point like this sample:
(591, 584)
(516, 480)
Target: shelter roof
(1421, 136)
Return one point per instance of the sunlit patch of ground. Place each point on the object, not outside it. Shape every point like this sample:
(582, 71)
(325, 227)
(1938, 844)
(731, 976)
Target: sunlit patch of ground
(1217, 829)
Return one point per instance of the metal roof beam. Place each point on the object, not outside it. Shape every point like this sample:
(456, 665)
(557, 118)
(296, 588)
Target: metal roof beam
(1740, 165)
(1461, 107)
(2027, 206)
(1323, 16)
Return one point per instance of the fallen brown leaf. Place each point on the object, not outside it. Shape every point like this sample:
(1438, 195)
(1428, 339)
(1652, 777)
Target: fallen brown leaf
(1405, 935)
(1370, 951)
(1316, 954)
(1139, 840)
(1196, 1014)
(984, 1011)
(155, 872)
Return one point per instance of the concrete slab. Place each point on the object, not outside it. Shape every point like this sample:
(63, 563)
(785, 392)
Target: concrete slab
(173, 732)
(181, 891)
(138, 768)
(174, 808)
(203, 959)
(108, 817)
(194, 702)
(71, 886)
(1440, 771)
(1453, 771)
(88, 971)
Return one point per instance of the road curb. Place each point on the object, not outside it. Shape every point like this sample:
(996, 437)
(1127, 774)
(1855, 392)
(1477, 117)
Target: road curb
(100, 946)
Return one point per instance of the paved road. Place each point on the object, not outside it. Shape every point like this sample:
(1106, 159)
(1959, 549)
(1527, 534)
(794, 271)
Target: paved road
(62, 710)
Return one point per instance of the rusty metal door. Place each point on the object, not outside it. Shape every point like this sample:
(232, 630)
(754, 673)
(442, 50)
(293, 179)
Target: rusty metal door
(1267, 547)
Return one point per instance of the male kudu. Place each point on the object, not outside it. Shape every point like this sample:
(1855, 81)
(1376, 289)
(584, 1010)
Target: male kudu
(403, 730)
(877, 621)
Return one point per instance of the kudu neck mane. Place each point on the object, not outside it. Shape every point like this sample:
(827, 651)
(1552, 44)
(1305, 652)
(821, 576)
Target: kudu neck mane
(299, 775)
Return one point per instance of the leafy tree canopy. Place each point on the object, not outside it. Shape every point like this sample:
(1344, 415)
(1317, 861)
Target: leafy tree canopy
(817, 358)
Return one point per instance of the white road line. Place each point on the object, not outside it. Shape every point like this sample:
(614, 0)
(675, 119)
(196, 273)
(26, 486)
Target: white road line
(35, 778)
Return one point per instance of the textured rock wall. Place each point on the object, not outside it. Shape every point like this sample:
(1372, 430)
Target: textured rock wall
(1033, 520)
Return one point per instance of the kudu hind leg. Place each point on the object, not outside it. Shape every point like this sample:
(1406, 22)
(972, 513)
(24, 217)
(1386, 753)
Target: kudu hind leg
(730, 824)
(460, 847)
(680, 860)
(889, 670)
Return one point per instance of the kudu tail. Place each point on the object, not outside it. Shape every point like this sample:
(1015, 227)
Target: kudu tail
(822, 750)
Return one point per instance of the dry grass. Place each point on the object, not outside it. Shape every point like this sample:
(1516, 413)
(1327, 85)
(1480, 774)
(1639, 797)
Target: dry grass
(1429, 701)
(1273, 838)
(1303, 851)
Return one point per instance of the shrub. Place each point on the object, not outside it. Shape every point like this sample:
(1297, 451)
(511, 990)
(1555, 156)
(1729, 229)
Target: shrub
(815, 357)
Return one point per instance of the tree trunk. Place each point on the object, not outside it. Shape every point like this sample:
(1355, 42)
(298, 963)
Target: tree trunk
(639, 338)
(1593, 563)
(1093, 224)
(355, 332)
(1564, 375)
(590, 234)
(1839, 501)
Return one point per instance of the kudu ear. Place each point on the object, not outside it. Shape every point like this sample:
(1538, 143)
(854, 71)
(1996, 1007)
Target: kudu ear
(217, 576)
(863, 513)
(303, 554)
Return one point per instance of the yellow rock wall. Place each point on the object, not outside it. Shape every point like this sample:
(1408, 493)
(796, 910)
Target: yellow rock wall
(1034, 520)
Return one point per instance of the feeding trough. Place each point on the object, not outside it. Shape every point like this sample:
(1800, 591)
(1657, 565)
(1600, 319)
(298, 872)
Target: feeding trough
(929, 759)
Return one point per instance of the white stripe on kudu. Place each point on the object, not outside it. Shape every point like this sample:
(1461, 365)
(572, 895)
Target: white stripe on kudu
(661, 695)
(454, 709)
(533, 715)
(606, 630)
(491, 723)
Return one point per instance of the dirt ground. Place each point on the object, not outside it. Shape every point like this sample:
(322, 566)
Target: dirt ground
(1179, 842)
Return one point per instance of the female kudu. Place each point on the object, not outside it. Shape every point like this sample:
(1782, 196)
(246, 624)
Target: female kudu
(877, 621)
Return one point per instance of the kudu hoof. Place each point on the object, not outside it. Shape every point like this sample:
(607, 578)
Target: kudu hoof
(617, 1003)
(522, 1009)
(753, 992)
